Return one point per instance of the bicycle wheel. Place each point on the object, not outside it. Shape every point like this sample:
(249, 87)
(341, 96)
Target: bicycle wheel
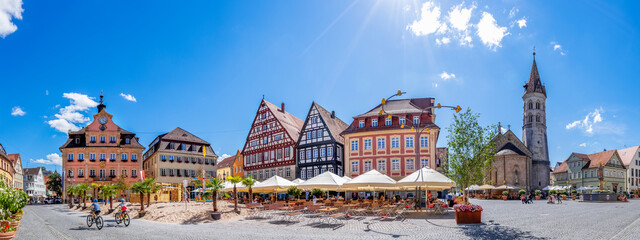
(118, 219)
(99, 222)
(126, 219)
(89, 221)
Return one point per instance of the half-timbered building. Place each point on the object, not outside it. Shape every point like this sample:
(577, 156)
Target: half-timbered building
(271, 143)
(320, 146)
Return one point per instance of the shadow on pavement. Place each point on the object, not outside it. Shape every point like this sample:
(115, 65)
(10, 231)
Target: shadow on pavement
(496, 231)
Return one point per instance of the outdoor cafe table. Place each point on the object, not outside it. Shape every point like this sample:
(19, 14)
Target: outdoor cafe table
(286, 208)
(327, 209)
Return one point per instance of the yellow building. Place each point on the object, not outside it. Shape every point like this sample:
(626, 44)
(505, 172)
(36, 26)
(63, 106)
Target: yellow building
(225, 168)
(6, 167)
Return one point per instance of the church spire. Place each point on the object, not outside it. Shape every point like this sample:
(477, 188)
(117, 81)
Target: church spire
(534, 84)
(101, 106)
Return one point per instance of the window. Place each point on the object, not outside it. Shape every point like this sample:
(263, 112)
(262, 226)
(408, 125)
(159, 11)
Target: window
(314, 120)
(103, 173)
(134, 157)
(387, 121)
(112, 139)
(80, 172)
(322, 152)
(70, 174)
(273, 172)
(264, 116)
(124, 172)
(424, 142)
(530, 118)
(330, 151)
(112, 173)
(361, 124)
(416, 120)
(530, 105)
(301, 154)
(315, 153)
(374, 122)
(279, 154)
(381, 143)
(128, 140)
(77, 140)
(403, 121)
(367, 144)
(286, 152)
(266, 174)
(277, 137)
(124, 156)
(354, 167)
(265, 140)
(133, 173)
(313, 134)
(367, 166)
(395, 142)
(308, 135)
(69, 156)
(409, 142)
(538, 118)
(92, 139)
(409, 163)
(92, 173)
(382, 166)
(254, 143)
(287, 172)
(354, 145)
(395, 165)
(537, 105)
(319, 133)
(103, 156)
(92, 156)
(113, 156)
(103, 139)
(424, 162)
(80, 156)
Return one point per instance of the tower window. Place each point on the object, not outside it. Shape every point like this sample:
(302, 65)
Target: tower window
(538, 118)
(530, 105)
(537, 105)
(530, 118)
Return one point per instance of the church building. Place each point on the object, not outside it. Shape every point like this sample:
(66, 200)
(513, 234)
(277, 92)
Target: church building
(525, 163)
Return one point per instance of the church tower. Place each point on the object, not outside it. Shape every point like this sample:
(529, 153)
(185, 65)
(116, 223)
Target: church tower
(534, 127)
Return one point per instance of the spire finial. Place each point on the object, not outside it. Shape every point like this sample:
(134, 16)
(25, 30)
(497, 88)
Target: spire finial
(101, 106)
(534, 52)
(101, 96)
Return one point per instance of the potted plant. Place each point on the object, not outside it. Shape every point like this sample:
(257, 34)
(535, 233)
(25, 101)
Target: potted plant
(538, 193)
(317, 193)
(213, 188)
(140, 188)
(294, 192)
(573, 194)
(522, 192)
(564, 195)
(9, 200)
(7, 231)
(504, 195)
(249, 182)
(468, 214)
(235, 180)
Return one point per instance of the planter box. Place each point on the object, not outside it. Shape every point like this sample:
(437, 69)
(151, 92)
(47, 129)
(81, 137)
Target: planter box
(468, 217)
(564, 197)
(537, 197)
(504, 198)
(573, 197)
(141, 214)
(216, 216)
(7, 235)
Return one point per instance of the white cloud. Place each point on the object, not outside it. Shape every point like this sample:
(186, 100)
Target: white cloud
(447, 76)
(522, 22)
(429, 20)
(459, 17)
(128, 97)
(9, 9)
(587, 124)
(223, 156)
(558, 48)
(443, 41)
(70, 115)
(513, 11)
(52, 159)
(583, 144)
(17, 111)
(489, 32)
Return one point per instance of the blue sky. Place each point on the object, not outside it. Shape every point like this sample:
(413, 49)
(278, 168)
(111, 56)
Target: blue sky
(204, 65)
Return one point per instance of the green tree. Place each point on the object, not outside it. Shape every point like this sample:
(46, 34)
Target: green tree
(82, 189)
(235, 180)
(153, 188)
(140, 188)
(122, 185)
(249, 182)
(54, 183)
(471, 150)
(109, 192)
(95, 188)
(213, 187)
(317, 192)
(294, 192)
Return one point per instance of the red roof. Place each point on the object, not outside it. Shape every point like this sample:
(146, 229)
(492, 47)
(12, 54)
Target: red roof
(600, 158)
(562, 168)
(227, 162)
(14, 158)
(627, 154)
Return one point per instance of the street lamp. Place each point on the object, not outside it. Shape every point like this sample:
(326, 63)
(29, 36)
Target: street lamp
(416, 127)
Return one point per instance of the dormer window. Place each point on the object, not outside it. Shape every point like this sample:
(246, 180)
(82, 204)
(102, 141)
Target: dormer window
(127, 140)
(416, 120)
(387, 121)
(77, 140)
(374, 122)
(403, 121)
(361, 124)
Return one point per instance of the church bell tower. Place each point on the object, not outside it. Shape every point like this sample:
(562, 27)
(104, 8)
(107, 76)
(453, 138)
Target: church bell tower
(534, 127)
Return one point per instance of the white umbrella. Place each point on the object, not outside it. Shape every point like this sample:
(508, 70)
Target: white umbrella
(347, 178)
(298, 181)
(507, 187)
(472, 188)
(242, 187)
(371, 179)
(273, 183)
(228, 186)
(429, 178)
(325, 181)
(546, 188)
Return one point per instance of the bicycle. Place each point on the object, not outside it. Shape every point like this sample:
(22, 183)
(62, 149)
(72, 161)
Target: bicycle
(98, 220)
(123, 217)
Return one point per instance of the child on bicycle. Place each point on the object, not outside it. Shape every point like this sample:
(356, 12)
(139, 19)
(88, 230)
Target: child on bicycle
(122, 206)
(95, 208)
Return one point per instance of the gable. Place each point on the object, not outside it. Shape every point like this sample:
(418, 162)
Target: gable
(510, 141)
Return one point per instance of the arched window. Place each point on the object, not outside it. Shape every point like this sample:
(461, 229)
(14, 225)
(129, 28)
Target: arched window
(530, 118)
(538, 105)
(516, 176)
(530, 105)
(538, 118)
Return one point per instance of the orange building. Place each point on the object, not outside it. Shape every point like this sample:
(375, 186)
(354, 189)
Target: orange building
(236, 169)
(101, 152)
(388, 145)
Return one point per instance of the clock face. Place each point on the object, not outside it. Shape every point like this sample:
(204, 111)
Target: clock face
(102, 120)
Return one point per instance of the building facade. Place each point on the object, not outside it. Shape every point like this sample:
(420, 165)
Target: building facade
(101, 152)
(6, 168)
(320, 145)
(389, 145)
(178, 155)
(17, 166)
(238, 165)
(534, 127)
(34, 184)
(224, 168)
(585, 170)
(270, 148)
(631, 159)
(511, 163)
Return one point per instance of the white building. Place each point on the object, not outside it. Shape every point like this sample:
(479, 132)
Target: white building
(17, 166)
(631, 159)
(34, 184)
